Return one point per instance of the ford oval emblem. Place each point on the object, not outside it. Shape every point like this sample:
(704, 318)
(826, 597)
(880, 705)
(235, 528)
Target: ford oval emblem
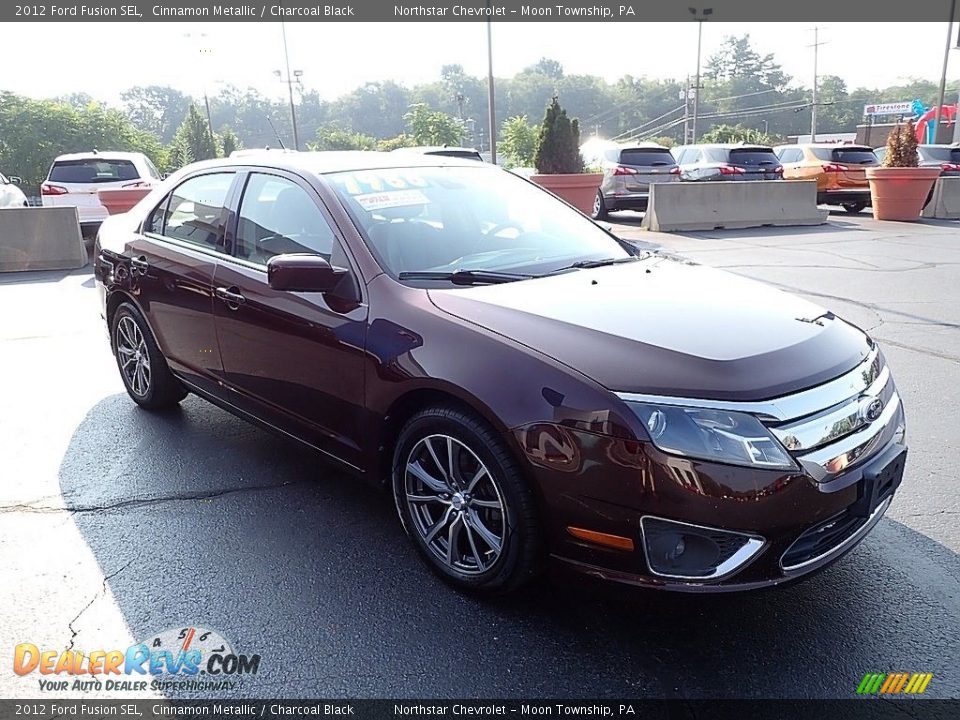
(871, 409)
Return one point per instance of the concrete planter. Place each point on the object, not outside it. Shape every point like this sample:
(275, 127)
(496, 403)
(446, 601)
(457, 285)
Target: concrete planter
(120, 200)
(578, 189)
(900, 193)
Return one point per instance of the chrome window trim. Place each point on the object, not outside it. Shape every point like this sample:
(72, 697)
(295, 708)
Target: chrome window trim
(787, 407)
(856, 537)
(735, 562)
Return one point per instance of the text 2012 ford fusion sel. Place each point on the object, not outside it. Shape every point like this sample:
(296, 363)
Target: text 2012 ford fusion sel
(527, 385)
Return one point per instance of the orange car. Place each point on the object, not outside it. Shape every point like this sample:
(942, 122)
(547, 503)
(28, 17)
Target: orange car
(838, 170)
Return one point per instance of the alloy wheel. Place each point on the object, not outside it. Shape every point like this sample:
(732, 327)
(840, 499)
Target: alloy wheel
(596, 205)
(455, 504)
(133, 356)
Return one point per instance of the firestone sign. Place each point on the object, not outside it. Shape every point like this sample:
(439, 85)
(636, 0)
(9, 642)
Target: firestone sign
(897, 108)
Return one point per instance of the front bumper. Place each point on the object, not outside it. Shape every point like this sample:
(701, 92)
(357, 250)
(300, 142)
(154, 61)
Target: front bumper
(807, 518)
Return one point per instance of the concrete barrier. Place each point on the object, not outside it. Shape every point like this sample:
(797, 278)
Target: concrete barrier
(945, 203)
(40, 239)
(735, 204)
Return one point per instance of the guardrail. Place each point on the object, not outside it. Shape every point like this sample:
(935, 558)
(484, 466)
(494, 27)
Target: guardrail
(732, 204)
(40, 239)
(945, 202)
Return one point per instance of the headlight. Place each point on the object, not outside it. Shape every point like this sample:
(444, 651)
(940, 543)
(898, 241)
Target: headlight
(719, 435)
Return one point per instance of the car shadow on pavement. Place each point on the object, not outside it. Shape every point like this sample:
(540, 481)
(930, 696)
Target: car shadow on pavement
(200, 519)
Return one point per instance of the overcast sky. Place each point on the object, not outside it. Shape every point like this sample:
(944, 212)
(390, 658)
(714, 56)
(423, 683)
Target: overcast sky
(47, 59)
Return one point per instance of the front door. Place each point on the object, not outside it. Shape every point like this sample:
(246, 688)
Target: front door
(295, 359)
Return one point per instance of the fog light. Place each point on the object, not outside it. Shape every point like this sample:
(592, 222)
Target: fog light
(693, 552)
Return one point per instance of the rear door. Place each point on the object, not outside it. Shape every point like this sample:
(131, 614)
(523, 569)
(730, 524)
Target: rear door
(645, 166)
(172, 264)
(76, 182)
(292, 359)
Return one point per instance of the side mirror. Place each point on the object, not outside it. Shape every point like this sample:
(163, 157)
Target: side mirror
(16, 180)
(303, 273)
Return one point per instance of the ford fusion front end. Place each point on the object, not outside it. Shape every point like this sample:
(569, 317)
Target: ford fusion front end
(727, 495)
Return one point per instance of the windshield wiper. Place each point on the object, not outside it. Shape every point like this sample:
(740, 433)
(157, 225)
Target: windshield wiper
(465, 277)
(583, 264)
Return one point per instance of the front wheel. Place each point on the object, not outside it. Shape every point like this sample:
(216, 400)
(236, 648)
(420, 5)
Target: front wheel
(143, 368)
(463, 501)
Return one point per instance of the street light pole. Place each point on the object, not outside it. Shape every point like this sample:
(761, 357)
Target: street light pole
(491, 101)
(943, 75)
(816, 81)
(293, 111)
(696, 91)
(701, 15)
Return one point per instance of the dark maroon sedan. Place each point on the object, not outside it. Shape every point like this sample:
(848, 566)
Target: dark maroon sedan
(528, 385)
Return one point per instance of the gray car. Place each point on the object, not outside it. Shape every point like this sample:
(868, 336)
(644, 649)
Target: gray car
(628, 172)
(727, 161)
(947, 157)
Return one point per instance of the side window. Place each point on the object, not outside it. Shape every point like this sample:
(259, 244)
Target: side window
(154, 221)
(277, 216)
(196, 212)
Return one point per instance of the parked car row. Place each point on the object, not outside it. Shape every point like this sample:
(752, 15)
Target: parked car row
(839, 170)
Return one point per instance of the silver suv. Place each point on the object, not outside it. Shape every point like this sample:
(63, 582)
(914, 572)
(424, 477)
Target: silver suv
(727, 161)
(628, 172)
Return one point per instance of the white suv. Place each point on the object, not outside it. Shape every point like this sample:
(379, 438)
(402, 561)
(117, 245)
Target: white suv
(75, 179)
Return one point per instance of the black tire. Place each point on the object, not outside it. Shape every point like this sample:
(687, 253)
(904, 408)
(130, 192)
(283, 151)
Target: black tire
(161, 390)
(600, 211)
(854, 208)
(520, 557)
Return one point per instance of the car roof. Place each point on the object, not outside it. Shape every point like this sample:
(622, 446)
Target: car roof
(827, 146)
(107, 155)
(731, 146)
(436, 149)
(645, 145)
(331, 161)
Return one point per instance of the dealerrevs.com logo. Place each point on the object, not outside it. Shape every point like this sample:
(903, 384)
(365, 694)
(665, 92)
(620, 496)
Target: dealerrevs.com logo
(190, 658)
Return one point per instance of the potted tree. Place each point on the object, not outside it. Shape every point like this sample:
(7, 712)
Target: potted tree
(559, 163)
(899, 189)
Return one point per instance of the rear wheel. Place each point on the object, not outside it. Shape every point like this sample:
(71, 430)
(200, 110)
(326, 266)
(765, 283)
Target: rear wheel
(464, 503)
(143, 368)
(599, 207)
(854, 208)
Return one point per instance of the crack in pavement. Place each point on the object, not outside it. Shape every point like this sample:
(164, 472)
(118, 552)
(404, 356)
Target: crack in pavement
(138, 502)
(100, 593)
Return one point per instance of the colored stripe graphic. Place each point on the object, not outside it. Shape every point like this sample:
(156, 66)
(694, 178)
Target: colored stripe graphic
(894, 683)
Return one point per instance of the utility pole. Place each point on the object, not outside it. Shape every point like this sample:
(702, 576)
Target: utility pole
(290, 80)
(943, 75)
(700, 15)
(813, 106)
(491, 102)
(685, 96)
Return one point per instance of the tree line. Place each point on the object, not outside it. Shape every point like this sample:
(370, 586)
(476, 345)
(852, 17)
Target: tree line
(742, 91)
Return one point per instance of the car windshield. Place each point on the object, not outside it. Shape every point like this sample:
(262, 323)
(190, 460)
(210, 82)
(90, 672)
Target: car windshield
(940, 153)
(846, 155)
(93, 171)
(753, 157)
(454, 218)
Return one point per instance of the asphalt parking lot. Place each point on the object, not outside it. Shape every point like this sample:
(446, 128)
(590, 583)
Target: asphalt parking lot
(117, 524)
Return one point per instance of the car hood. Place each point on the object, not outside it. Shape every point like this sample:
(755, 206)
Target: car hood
(667, 327)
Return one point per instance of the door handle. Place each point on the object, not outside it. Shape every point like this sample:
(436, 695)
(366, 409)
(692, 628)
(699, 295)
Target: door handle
(231, 296)
(139, 265)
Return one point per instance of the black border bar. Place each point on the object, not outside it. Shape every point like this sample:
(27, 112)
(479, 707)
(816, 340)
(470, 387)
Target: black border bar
(600, 11)
(857, 708)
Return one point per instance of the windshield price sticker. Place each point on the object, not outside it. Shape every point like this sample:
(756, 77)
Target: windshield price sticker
(392, 198)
